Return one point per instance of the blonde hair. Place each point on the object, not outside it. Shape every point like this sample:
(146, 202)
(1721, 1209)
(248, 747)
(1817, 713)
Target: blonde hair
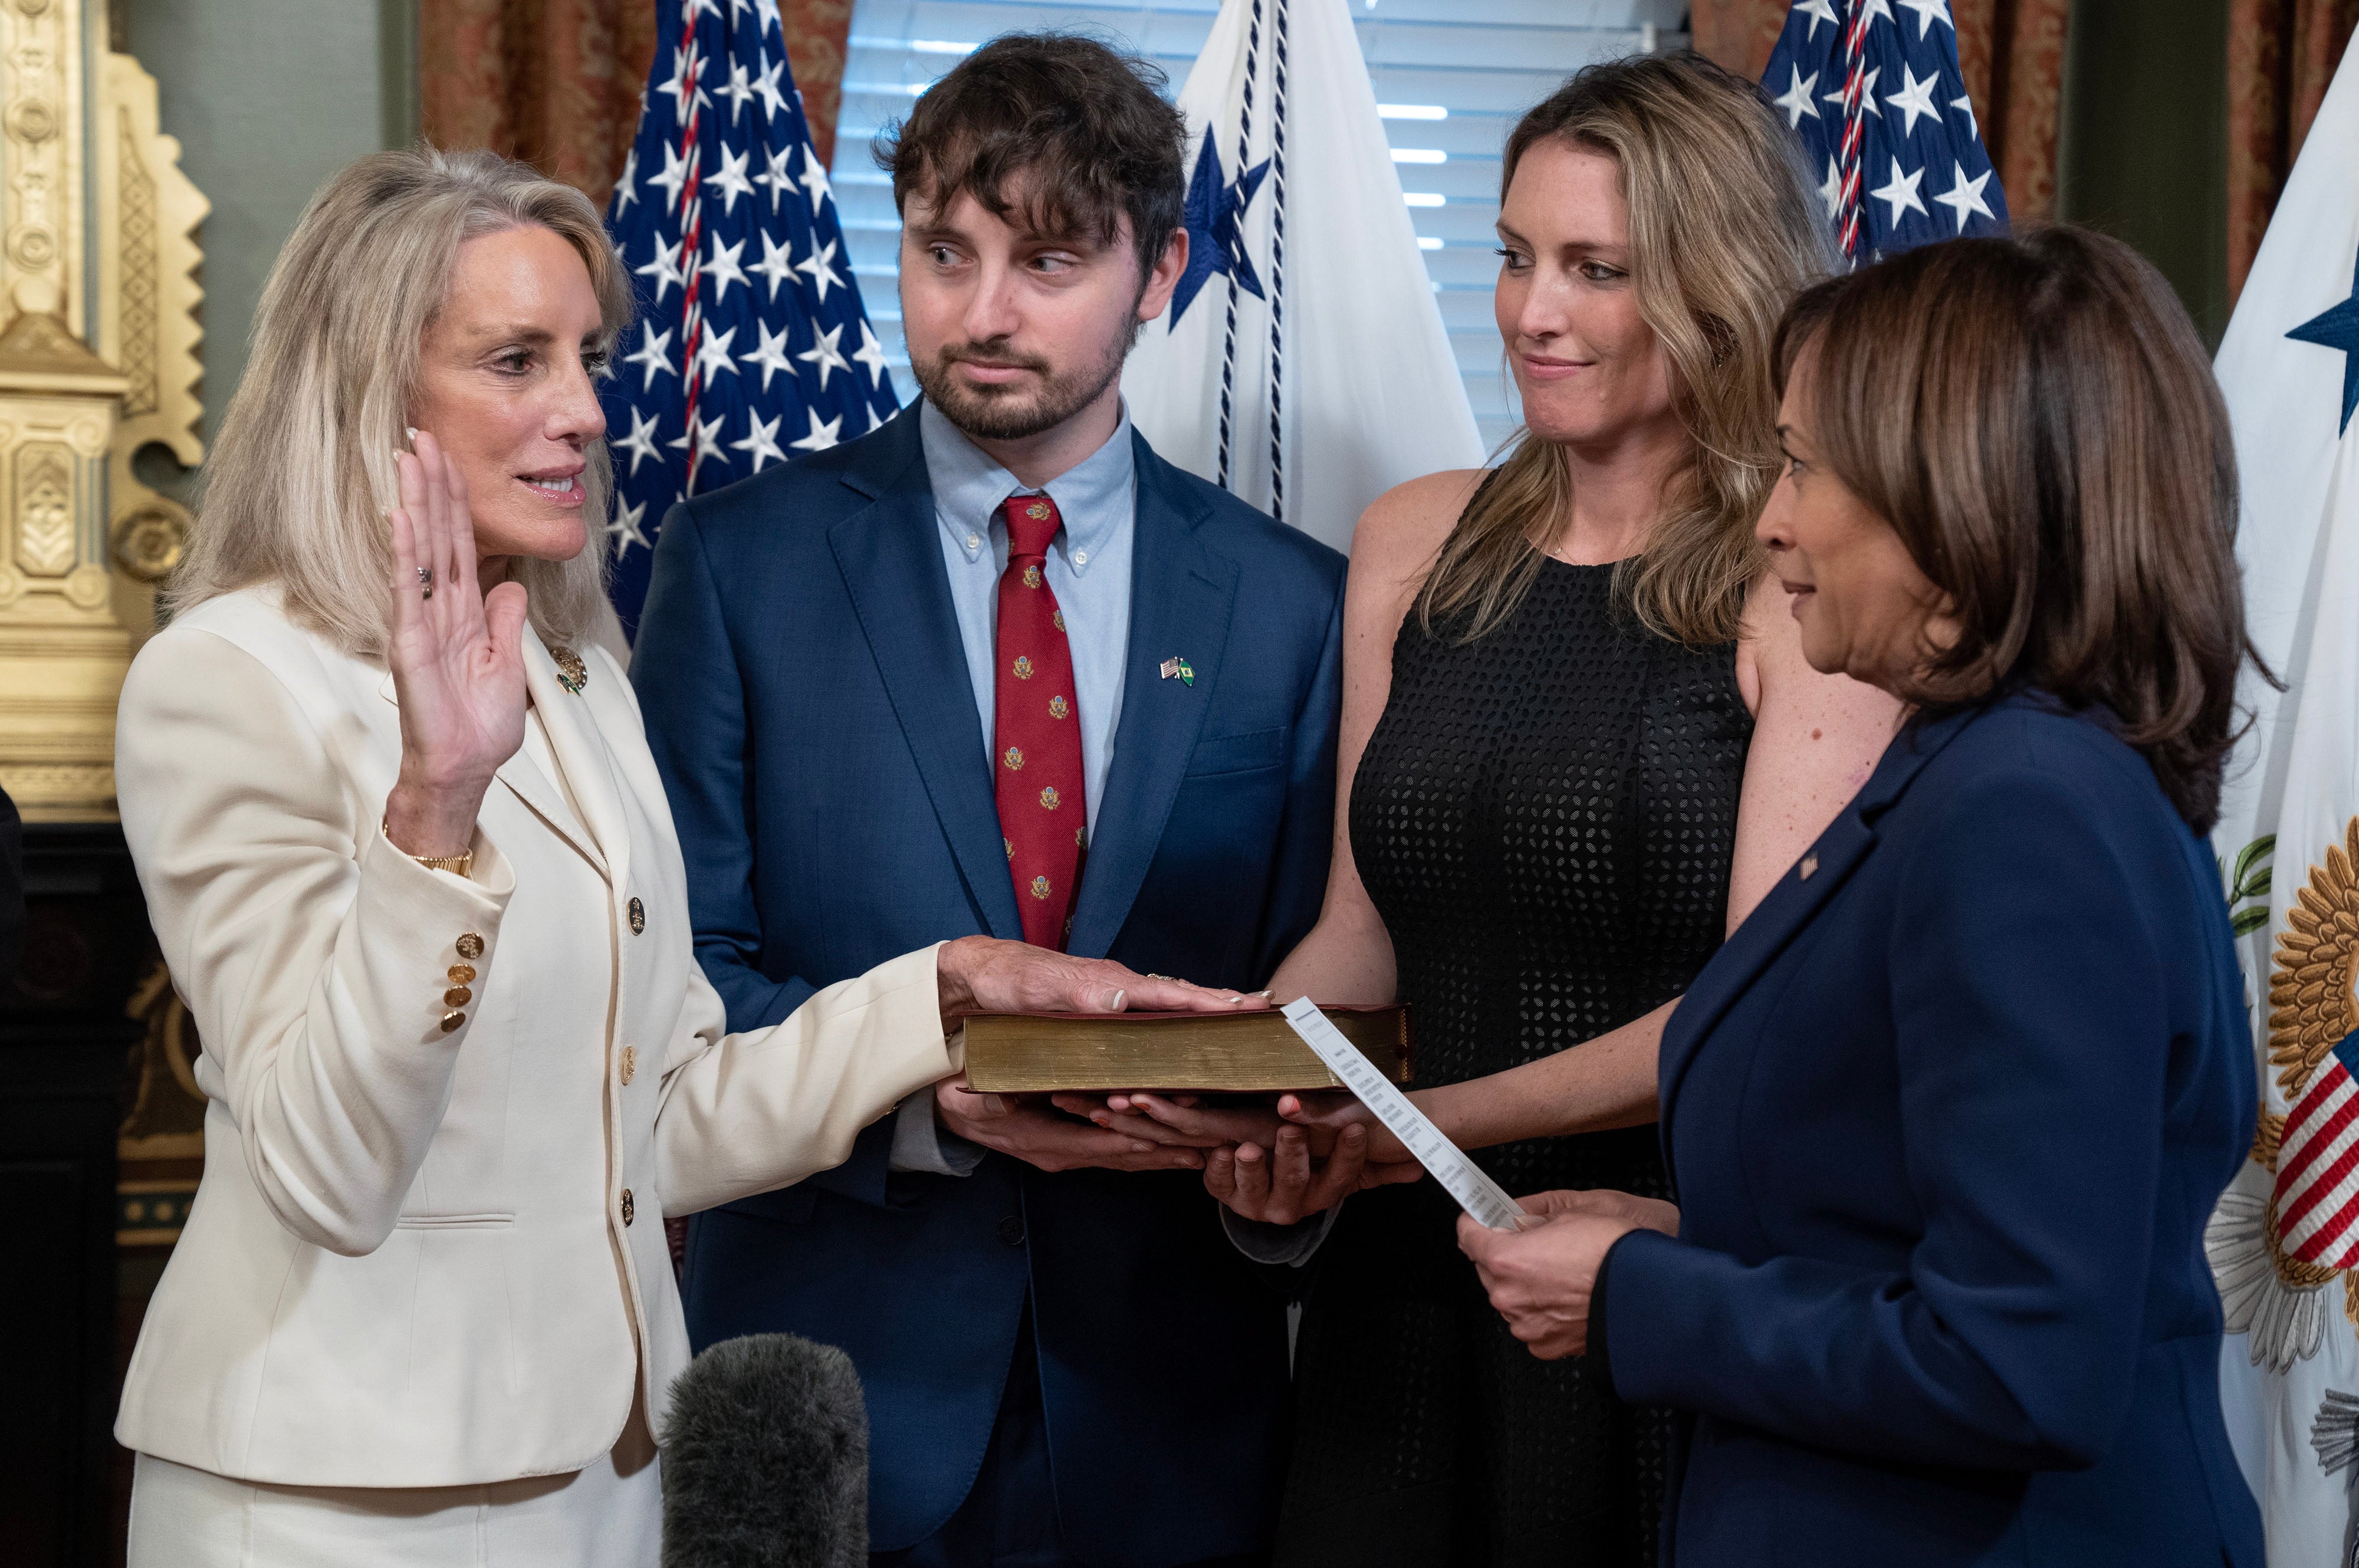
(302, 473)
(1725, 229)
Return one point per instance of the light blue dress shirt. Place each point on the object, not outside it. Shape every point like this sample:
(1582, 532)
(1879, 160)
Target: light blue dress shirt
(1088, 570)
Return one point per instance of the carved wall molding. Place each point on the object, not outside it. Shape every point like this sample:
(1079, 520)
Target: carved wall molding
(98, 360)
(147, 327)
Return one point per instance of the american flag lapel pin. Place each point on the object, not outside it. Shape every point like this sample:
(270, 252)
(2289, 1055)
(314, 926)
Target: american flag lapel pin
(1177, 667)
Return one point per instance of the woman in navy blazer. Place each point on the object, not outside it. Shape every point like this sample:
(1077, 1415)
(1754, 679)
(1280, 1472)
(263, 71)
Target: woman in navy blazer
(1948, 1112)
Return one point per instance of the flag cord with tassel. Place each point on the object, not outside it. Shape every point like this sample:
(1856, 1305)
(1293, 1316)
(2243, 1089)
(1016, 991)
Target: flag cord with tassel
(1244, 152)
(1277, 268)
(691, 233)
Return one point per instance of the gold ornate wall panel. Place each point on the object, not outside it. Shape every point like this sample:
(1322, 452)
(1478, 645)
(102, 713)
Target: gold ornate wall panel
(148, 327)
(98, 359)
(44, 51)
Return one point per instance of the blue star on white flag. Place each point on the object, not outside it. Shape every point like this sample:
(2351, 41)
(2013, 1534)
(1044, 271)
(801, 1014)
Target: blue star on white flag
(751, 331)
(1908, 166)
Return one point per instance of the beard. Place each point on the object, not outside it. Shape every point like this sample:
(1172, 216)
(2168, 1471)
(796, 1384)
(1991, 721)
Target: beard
(1010, 413)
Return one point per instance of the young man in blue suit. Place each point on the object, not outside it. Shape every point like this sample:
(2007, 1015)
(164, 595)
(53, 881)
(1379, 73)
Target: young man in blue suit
(997, 668)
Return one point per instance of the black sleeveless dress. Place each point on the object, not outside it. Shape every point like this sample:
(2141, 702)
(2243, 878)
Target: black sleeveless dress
(1544, 818)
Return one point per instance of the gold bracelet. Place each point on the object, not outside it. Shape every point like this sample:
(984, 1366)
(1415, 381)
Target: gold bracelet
(457, 865)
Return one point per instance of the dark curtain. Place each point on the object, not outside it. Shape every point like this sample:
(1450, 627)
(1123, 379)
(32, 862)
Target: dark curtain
(2011, 53)
(2281, 55)
(557, 82)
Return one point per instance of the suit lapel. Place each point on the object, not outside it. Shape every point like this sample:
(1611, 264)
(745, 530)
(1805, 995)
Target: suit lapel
(1791, 904)
(582, 755)
(892, 567)
(526, 781)
(1180, 599)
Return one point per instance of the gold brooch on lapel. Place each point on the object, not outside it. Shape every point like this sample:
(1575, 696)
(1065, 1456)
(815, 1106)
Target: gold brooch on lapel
(571, 673)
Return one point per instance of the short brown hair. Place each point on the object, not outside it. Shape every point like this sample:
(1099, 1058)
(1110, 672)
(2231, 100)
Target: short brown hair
(1724, 229)
(1088, 125)
(2036, 419)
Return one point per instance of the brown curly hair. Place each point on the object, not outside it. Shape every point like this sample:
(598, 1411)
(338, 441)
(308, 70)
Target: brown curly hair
(1067, 132)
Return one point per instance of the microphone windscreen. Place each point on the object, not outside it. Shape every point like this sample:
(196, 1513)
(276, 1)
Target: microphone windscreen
(765, 1458)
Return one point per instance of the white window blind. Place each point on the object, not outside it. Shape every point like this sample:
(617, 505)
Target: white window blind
(1451, 76)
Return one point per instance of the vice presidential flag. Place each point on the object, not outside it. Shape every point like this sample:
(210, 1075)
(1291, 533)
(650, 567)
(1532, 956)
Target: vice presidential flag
(1876, 95)
(2286, 1234)
(752, 347)
(1303, 365)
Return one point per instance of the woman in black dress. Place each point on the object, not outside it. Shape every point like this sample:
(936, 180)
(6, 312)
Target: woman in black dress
(1579, 740)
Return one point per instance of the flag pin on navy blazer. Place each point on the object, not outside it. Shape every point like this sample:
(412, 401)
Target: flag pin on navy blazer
(1178, 665)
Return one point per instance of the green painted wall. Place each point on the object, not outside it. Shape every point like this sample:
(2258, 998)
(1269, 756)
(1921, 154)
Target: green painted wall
(2143, 151)
(268, 98)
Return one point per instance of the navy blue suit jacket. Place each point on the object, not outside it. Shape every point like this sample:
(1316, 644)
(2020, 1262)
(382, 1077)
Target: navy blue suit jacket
(809, 702)
(1948, 1114)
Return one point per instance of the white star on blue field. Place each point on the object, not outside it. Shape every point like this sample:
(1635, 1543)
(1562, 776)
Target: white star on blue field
(783, 362)
(1923, 173)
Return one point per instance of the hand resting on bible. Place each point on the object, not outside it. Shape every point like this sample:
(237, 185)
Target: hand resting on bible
(1052, 1137)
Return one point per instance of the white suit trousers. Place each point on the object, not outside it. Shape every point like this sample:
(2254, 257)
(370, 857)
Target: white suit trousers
(608, 1516)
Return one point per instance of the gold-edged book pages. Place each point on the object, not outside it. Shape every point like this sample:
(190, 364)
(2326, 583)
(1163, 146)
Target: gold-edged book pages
(1032, 1053)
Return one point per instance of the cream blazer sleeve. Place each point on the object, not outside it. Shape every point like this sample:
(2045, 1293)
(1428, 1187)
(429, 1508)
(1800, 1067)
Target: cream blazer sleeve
(745, 1114)
(297, 934)
(748, 1113)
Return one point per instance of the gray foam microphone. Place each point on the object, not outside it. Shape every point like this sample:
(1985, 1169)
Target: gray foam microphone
(765, 1458)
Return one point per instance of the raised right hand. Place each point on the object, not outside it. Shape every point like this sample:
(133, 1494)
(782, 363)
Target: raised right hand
(457, 656)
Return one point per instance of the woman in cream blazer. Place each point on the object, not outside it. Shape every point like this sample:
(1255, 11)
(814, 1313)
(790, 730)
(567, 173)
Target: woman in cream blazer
(411, 866)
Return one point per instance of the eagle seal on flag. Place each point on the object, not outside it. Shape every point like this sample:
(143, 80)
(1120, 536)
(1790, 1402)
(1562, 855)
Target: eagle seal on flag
(2314, 1045)
(2273, 1257)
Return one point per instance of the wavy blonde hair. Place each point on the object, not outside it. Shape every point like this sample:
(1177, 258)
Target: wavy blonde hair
(1725, 229)
(302, 473)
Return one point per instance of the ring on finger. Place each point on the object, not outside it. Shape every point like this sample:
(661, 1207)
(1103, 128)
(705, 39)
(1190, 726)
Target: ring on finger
(426, 582)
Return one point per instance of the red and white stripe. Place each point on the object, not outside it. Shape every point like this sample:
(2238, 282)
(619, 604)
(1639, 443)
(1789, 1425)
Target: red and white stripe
(1854, 133)
(2317, 1171)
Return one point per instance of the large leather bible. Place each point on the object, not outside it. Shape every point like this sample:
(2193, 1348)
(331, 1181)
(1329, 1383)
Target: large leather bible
(1019, 1053)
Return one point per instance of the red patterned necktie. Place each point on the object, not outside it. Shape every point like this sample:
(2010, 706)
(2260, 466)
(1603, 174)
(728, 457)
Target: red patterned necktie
(1036, 772)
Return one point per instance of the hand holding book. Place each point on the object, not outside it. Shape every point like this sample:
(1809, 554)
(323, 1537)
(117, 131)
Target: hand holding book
(1283, 1185)
(981, 976)
(1275, 1164)
(1027, 1128)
